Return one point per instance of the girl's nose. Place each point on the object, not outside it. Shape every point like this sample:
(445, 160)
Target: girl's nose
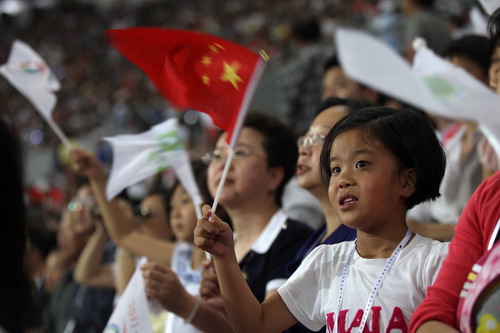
(345, 182)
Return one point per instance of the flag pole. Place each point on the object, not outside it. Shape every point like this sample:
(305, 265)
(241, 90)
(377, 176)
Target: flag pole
(58, 132)
(229, 159)
(258, 70)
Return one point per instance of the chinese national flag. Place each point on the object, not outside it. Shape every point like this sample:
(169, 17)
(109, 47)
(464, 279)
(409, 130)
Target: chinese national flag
(195, 70)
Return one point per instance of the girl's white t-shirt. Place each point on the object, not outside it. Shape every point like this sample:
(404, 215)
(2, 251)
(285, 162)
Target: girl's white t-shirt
(311, 293)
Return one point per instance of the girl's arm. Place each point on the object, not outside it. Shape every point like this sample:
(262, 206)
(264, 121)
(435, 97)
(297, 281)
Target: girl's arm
(124, 269)
(116, 214)
(89, 270)
(243, 309)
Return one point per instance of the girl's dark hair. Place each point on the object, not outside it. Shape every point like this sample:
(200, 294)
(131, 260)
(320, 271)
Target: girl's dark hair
(408, 134)
(494, 29)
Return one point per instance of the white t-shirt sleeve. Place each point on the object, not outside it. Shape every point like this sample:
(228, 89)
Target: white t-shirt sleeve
(301, 293)
(436, 255)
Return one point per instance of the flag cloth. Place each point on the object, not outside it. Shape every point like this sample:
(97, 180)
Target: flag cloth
(196, 71)
(432, 83)
(139, 156)
(29, 74)
(131, 314)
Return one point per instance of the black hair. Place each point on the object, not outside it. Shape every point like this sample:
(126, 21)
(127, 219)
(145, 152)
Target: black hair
(408, 134)
(279, 143)
(351, 104)
(332, 62)
(42, 239)
(474, 47)
(424, 3)
(306, 29)
(494, 30)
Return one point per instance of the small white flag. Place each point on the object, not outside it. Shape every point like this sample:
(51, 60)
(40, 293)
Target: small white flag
(29, 74)
(131, 314)
(490, 5)
(432, 84)
(139, 156)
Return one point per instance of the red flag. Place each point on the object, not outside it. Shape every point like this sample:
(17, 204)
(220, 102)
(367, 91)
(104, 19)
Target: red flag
(195, 70)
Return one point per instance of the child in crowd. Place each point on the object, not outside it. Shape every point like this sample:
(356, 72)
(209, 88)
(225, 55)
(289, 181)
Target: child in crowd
(175, 262)
(376, 170)
(309, 177)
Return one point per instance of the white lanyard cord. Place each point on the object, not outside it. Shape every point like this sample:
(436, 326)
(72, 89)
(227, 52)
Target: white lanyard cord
(374, 291)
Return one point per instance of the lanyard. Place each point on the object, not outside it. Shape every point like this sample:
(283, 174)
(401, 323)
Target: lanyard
(374, 291)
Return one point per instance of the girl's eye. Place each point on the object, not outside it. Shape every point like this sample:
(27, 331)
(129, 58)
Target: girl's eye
(335, 170)
(361, 164)
(185, 201)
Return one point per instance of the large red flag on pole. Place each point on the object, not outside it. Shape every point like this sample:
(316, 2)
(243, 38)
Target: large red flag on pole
(195, 70)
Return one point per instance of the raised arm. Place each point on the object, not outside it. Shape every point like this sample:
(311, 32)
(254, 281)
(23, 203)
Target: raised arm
(116, 214)
(244, 311)
(89, 270)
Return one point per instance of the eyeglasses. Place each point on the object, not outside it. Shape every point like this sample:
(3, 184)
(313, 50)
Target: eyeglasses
(310, 140)
(221, 155)
(77, 205)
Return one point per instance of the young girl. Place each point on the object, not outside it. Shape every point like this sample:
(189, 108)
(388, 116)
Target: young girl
(378, 163)
(174, 267)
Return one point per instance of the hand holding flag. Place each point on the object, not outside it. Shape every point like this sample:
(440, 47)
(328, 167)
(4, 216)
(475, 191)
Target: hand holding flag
(29, 74)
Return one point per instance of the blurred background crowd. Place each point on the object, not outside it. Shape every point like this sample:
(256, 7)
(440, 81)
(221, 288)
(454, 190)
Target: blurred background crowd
(103, 94)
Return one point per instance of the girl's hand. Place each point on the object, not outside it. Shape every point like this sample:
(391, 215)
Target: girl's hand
(85, 163)
(215, 237)
(163, 285)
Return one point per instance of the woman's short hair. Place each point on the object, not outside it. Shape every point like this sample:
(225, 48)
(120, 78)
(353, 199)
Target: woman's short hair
(408, 134)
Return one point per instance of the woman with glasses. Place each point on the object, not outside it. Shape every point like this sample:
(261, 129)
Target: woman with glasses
(265, 238)
(173, 273)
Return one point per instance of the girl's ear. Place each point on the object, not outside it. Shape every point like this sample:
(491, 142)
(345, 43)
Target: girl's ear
(408, 182)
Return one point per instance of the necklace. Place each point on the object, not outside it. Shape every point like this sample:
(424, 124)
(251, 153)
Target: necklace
(377, 284)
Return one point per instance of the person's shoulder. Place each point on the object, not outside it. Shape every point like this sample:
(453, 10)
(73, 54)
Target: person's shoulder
(332, 250)
(428, 247)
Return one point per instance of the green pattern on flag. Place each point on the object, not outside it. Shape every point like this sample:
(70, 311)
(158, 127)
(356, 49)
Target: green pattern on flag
(442, 89)
(168, 142)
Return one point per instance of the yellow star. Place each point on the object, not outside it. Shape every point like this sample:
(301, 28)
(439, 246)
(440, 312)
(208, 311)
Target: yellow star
(206, 60)
(230, 75)
(205, 79)
(219, 46)
(213, 48)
